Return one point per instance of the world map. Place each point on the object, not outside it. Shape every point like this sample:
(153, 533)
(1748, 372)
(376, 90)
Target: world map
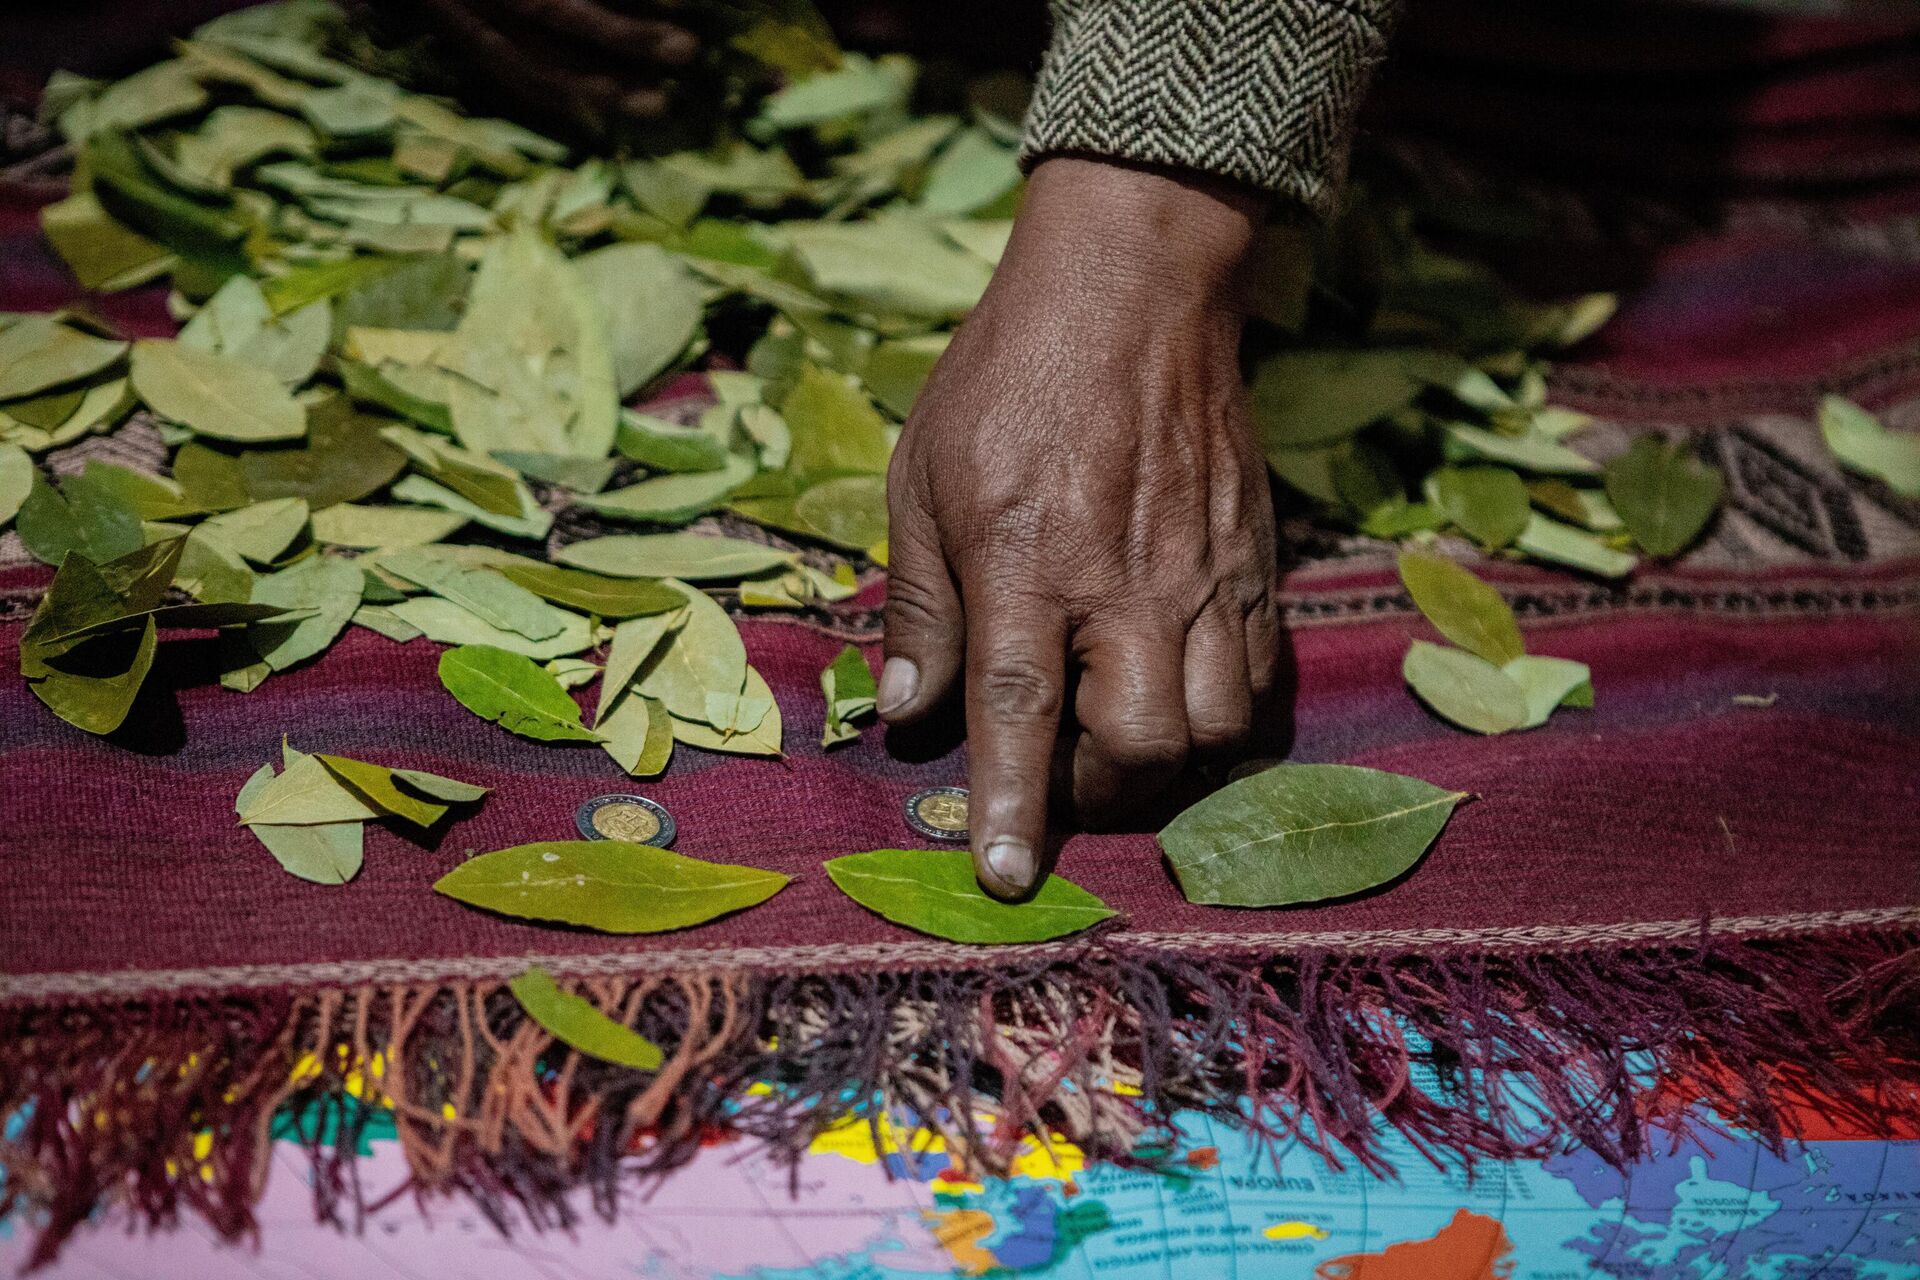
(880, 1202)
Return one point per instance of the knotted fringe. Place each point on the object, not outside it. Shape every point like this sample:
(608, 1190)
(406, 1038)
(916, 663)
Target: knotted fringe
(166, 1106)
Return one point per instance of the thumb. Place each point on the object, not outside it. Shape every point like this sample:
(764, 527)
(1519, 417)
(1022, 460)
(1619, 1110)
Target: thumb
(925, 627)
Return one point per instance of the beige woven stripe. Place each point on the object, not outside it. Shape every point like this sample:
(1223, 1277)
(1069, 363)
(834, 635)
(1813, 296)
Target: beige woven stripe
(36, 987)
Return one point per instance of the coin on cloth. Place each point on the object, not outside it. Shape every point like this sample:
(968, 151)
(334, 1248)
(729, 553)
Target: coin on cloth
(624, 817)
(939, 813)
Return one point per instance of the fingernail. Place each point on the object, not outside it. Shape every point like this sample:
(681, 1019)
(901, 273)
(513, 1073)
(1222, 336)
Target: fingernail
(1012, 862)
(899, 681)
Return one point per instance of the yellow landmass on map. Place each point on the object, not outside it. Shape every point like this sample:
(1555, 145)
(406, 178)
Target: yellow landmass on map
(1057, 1161)
(854, 1139)
(1295, 1230)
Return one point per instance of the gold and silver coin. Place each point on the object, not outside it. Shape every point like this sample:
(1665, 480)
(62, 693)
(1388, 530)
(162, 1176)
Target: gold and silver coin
(635, 819)
(939, 813)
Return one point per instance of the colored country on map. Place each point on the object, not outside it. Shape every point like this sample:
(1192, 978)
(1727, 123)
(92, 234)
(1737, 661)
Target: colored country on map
(920, 1153)
(1727, 1206)
(1471, 1247)
(1020, 1228)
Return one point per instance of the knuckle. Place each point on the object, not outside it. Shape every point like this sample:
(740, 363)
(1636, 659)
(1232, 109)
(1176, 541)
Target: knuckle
(672, 44)
(912, 606)
(1219, 727)
(1019, 689)
(1145, 746)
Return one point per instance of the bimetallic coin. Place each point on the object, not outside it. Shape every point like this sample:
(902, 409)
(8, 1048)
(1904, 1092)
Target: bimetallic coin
(631, 818)
(939, 813)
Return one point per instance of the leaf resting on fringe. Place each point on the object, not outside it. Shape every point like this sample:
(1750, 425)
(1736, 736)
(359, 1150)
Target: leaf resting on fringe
(575, 1022)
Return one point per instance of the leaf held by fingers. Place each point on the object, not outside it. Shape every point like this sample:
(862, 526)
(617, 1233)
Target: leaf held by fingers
(1303, 833)
(934, 891)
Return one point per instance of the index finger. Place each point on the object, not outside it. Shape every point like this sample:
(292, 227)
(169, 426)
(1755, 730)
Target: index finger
(1016, 688)
(648, 39)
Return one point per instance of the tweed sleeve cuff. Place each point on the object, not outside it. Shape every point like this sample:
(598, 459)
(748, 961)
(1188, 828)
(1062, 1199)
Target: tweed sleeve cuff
(1261, 91)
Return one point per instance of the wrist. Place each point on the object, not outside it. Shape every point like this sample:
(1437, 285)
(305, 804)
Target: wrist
(1174, 236)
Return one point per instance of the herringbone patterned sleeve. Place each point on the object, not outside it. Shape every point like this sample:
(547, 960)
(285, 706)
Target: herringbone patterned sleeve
(1263, 91)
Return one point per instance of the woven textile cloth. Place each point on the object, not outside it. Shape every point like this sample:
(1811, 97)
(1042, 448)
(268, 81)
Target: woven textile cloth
(1261, 91)
(1714, 874)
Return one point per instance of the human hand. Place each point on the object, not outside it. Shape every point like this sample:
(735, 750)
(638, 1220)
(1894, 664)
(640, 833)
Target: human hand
(1077, 504)
(595, 64)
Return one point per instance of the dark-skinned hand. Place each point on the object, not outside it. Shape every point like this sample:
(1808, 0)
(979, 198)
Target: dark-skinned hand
(593, 64)
(1077, 505)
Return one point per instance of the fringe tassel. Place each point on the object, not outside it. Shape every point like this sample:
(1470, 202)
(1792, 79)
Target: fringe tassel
(165, 1107)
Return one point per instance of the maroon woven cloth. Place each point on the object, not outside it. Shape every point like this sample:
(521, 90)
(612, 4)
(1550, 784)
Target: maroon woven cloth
(1669, 811)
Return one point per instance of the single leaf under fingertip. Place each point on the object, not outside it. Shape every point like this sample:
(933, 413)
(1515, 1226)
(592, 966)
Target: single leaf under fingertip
(934, 891)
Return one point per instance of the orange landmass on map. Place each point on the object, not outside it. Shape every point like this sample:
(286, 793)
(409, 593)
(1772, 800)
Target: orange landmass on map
(960, 1232)
(1471, 1247)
